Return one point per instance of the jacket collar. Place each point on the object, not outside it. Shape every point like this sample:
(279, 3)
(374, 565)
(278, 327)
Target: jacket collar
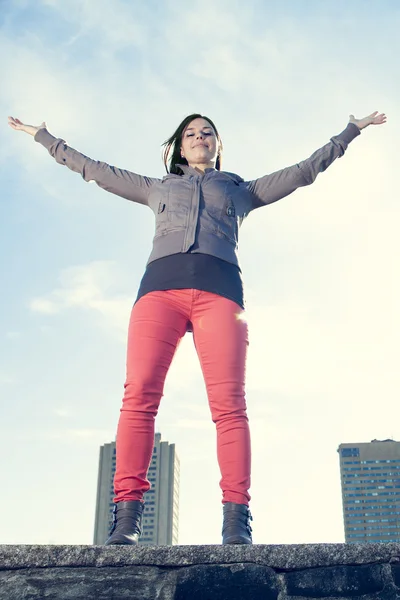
(188, 170)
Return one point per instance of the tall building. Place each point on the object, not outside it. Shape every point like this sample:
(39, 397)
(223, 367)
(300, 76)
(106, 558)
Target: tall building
(161, 513)
(370, 475)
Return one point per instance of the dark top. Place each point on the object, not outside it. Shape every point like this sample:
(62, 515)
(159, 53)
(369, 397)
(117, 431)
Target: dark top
(193, 271)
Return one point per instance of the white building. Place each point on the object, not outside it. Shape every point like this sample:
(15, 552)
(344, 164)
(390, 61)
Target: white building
(161, 514)
(370, 476)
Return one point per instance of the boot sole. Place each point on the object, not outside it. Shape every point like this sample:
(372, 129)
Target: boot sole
(121, 544)
(237, 540)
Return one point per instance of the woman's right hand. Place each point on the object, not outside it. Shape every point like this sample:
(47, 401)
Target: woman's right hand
(19, 126)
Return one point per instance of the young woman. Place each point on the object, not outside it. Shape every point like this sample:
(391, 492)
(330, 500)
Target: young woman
(192, 283)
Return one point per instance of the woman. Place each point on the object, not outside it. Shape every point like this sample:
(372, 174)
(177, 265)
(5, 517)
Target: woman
(192, 283)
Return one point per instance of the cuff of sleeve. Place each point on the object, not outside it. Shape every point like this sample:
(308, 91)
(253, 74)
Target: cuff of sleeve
(348, 134)
(44, 137)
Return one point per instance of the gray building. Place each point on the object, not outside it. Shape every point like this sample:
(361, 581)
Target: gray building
(370, 476)
(161, 514)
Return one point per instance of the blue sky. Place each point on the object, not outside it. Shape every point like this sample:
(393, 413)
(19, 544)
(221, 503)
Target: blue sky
(320, 267)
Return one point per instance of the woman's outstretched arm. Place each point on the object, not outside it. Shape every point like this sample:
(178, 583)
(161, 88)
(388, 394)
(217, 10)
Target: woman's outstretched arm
(117, 181)
(275, 186)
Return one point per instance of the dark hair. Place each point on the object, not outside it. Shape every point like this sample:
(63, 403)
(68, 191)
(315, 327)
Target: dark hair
(172, 152)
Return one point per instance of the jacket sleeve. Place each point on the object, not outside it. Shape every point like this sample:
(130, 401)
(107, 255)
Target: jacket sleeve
(275, 186)
(117, 181)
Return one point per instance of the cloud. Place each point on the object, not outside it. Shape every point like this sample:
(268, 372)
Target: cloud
(13, 335)
(85, 434)
(7, 379)
(92, 436)
(45, 306)
(193, 424)
(92, 288)
(116, 25)
(62, 412)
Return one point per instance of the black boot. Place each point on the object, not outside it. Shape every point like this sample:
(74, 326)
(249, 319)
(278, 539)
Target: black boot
(236, 527)
(127, 523)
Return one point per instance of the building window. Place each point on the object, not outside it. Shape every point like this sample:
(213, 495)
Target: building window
(346, 452)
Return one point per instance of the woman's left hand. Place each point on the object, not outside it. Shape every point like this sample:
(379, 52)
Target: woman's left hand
(372, 119)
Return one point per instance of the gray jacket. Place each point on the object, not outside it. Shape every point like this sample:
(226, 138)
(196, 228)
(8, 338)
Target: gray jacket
(196, 212)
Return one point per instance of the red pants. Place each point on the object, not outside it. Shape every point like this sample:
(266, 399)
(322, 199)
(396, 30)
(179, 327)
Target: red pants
(158, 322)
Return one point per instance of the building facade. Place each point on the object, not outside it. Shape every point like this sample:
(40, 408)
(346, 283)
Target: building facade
(161, 513)
(370, 477)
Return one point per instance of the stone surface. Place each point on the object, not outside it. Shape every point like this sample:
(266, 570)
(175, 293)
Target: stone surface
(281, 557)
(217, 582)
(297, 572)
(87, 583)
(396, 575)
(343, 580)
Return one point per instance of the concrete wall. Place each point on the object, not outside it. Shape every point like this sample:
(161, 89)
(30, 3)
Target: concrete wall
(298, 572)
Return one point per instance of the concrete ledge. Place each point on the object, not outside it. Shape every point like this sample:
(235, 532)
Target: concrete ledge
(297, 572)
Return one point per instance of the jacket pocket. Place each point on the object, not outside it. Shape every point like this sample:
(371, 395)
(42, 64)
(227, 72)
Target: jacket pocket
(220, 219)
(178, 204)
(161, 218)
(228, 223)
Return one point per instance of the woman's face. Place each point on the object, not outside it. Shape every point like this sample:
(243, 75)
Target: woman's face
(199, 144)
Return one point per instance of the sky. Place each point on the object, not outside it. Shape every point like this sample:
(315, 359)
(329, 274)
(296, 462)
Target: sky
(322, 284)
